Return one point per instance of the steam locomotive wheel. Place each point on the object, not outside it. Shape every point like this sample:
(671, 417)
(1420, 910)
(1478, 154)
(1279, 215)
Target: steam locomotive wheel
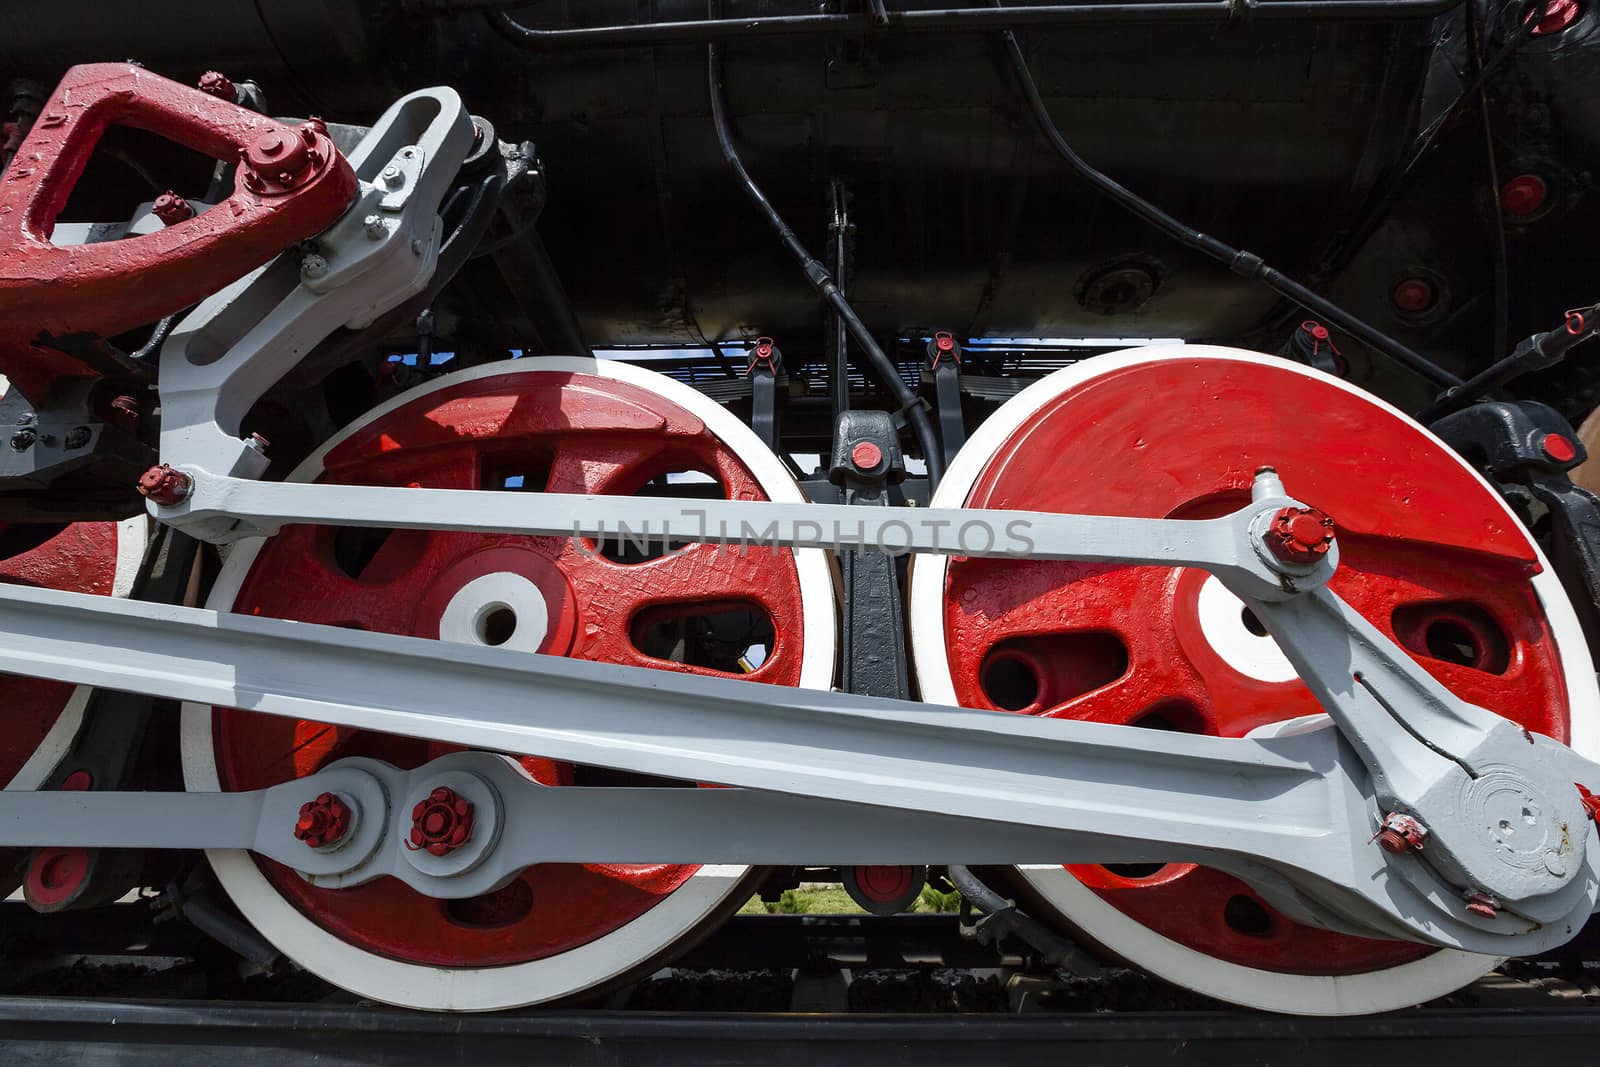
(43, 717)
(1429, 554)
(565, 425)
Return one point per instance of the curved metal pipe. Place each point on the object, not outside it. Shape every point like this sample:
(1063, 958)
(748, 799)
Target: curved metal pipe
(1245, 264)
(1002, 917)
(822, 280)
(976, 19)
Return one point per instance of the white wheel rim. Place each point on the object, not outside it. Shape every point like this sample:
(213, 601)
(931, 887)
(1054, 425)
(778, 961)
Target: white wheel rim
(1395, 987)
(596, 962)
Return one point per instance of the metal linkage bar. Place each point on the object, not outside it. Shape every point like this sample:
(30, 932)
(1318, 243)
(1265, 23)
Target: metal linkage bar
(1455, 768)
(227, 509)
(514, 823)
(1422, 744)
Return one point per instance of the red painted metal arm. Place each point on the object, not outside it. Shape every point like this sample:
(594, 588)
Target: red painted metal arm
(291, 183)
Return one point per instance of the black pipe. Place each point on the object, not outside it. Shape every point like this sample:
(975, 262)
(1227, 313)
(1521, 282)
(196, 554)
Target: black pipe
(1007, 919)
(822, 281)
(977, 19)
(1245, 264)
(1539, 352)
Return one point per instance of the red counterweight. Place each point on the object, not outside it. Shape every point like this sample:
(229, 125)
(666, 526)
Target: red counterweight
(57, 302)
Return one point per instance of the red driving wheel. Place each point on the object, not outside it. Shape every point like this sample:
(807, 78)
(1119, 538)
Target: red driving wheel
(1428, 554)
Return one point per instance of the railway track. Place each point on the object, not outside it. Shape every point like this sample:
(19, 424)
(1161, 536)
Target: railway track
(779, 989)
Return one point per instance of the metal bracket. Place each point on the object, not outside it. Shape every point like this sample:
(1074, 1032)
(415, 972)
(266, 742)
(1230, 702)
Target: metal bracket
(866, 461)
(764, 371)
(944, 366)
(292, 182)
(241, 340)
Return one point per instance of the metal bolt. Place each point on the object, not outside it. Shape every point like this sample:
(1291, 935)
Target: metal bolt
(375, 227)
(214, 83)
(77, 437)
(1523, 196)
(1559, 447)
(124, 413)
(323, 821)
(390, 175)
(416, 246)
(23, 440)
(1413, 295)
(1299, 535)
(313, 266)
(442, 823)
(278, 153)
(866, 455)
(257, 444)
(1401, 833)
(164, 485)
(171, 208)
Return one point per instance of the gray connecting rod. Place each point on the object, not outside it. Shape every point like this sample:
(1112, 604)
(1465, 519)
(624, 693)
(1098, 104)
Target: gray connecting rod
(1298, 804)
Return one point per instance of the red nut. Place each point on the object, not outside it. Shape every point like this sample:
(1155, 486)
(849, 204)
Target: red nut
(171, 208)
(322, 821)
(214, 83)
(1299, 535)
(164, 485)
(1401, 833)
(866, 455)
(442, 823)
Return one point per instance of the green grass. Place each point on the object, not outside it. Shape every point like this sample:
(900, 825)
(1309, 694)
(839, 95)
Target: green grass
(833, 900)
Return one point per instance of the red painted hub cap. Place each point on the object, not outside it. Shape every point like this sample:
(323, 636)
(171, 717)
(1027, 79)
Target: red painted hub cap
(1427, 555)
(565, 432)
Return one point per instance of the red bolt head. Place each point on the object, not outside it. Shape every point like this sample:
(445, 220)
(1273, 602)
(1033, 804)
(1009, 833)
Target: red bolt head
(866, 455)
(171, 208)
(1413, 295)
(442, 823)
(322, 821)
(1523, 196)
(1556, 16)
(944, 342)
(278, 153)
(214, 83)
(78, 780)
(1479, 904)
(164, 485)
(1401, 833)
(1559, 447)
(1299, 535)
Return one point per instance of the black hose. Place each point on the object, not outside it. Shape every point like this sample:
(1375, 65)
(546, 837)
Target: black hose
(822, 281)
(1245, 264)
(1400, 176)
(975, 19)
(1052, 947)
